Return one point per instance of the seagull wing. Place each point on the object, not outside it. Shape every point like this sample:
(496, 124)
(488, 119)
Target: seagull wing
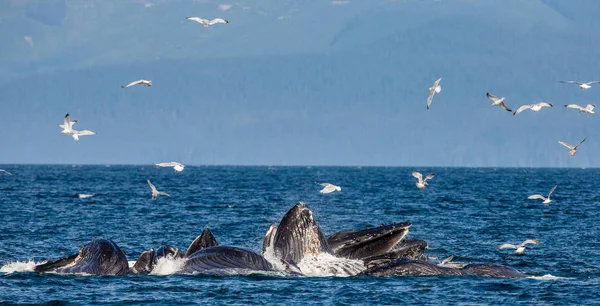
(429, 176)
(592, 82)
(151, 186)
(528, 242)
(522, 108)
(572, 82)
(536, 196)
(328, 188)
(504, 106)
(197, 19)
(542, 104)
(164, 193)
(83, 132)
(447, 260)
(492, 97)
(67, 121)
(579, 143)
(133, 83)
(169, 164)
(2, 170)
(430, 98)
(566, 145)
(506, 246)
(217, 20)
(575, 106)
(418, 175)
(552, 190)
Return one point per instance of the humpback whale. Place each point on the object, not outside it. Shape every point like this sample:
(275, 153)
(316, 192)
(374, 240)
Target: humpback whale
(224, 259)
(99, 256)
(359, 244)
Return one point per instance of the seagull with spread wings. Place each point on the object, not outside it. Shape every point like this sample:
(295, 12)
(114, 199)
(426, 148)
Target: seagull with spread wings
(573, 148)
(138, 82)
(177, 166)
(541, 197)
(207, 22)
(583, 86)
(436, 88)
(67, 127)
(422, 182)
(329, 188)
(534, 107)
(155, 192)
(519, 248)
(4, 171)
(588, 109)
(497, 101)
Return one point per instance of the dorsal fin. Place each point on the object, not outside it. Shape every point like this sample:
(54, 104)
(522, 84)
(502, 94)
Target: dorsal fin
(205, 240)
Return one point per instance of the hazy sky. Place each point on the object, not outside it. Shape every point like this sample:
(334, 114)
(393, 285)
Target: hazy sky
(298, 82)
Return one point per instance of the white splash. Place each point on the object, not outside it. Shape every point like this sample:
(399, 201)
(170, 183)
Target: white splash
(84, 195)
(131, 263)
(18, 266)
(328, 265)
(168, 265)
(547, 277)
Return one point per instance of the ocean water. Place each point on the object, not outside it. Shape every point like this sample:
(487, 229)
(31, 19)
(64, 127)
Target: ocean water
(464, 212)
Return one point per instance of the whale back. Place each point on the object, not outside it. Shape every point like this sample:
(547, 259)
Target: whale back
(298, 234)
(100, 256)
(374, 241)
(205, 240)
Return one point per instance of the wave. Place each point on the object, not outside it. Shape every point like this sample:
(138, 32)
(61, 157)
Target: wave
(547, 277)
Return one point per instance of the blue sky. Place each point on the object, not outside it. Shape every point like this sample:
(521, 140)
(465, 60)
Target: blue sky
(298, 83)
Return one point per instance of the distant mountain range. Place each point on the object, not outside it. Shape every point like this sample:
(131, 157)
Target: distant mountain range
(298, 82)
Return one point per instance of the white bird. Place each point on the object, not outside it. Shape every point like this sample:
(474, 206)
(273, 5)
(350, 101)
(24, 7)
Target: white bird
(588, 109)
(436, 88)
(207, 22)
(582, 85)
(156, 193)
(4, 171)
(573, 148)
(67, 127)
(177, 166)
(539, 196)
(497, 101)
(84, 195)
(329, 188)
(422, 182)
(534, 107)
(448, 263)
(520, 248)
(143, 82)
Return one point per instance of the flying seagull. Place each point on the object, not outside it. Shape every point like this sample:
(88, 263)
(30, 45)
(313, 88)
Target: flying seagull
(177, 166)
(329, 188)
(583, 86)
(539, 196)
(156, 193)
(436, 88)
(207, 22)
(67, 127)
(588, 109)
(497, 101)
(4, 171)
(422, 182)
(143, 82)
(520, 248)
(573, 148)
(534, 107)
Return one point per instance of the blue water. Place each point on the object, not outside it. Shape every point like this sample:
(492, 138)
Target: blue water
(464, 212)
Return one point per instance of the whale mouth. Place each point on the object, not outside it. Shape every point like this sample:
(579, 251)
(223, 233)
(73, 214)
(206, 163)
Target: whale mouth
(369, 242)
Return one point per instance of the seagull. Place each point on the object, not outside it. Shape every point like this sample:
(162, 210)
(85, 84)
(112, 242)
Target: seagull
(177, 166)
(588, 109)
(329, 188)
(422, 182)
(448, 263)
(67, 127)
(498, 101)
(534, 107)
(2, 170)
(156, 193)
(539, 196)
(583, 86)
(143, 82)
(436, 88)
(207, 22)
(520, 248)
(573, 148)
